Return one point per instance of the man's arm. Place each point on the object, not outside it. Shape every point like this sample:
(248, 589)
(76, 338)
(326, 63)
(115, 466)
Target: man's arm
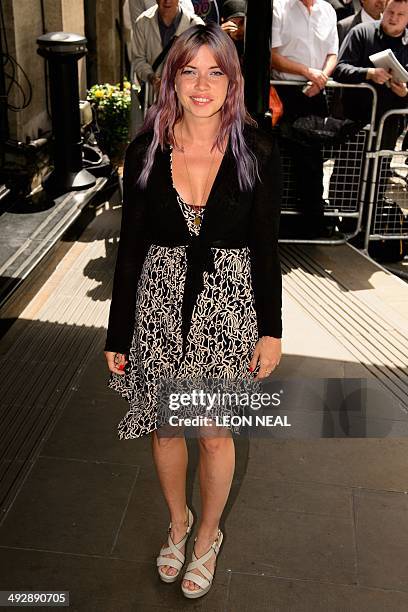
(330, 64)
(349, 68)
(283, 64)
(143, 69)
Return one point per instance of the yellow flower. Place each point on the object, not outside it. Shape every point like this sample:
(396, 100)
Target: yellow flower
(99, 93)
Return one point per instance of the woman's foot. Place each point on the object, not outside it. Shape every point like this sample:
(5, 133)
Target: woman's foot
(202, 544)
(177, 532)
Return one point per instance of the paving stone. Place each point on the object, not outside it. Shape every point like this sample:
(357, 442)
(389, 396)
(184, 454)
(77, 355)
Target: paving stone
(103, 581)
(298, 540)
(250, 593)
(69, 506)
(371, 463)
(146, 520)
(382, 538)
(95, 423)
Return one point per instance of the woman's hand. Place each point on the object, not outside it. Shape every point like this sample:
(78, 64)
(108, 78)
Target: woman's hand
(116, 362)
(267, 353)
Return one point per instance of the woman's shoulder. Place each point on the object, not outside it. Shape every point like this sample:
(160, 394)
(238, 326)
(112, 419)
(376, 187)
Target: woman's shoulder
(261, 142)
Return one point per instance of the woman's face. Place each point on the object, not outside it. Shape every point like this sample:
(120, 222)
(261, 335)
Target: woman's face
(201, 86)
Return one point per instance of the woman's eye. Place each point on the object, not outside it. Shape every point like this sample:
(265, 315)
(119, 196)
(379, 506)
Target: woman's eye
(188, 71)
(217, 73)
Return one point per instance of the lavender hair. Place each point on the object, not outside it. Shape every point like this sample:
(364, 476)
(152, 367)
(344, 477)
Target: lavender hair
(167, 111)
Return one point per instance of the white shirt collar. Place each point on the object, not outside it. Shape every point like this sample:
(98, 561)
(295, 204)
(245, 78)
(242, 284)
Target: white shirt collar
(365, 17)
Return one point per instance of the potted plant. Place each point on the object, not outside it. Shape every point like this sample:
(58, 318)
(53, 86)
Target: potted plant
(112, 107)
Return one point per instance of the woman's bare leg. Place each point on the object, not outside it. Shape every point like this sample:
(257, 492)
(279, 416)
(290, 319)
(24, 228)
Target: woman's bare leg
(171, 458)
(216, 471)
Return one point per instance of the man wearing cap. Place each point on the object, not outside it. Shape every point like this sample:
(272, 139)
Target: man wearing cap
(208, 10)
(233, 22)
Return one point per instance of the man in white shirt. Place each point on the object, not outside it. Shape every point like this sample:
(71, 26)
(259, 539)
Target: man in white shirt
(371, 11)
(304, 48)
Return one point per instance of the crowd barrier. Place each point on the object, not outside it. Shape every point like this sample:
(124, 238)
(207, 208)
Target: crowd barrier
(388, 196)
(345, 169)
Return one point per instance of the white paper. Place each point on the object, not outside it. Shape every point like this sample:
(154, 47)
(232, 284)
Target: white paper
(387, 60)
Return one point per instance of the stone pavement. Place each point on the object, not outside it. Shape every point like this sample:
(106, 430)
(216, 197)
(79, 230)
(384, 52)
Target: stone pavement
(315, 525)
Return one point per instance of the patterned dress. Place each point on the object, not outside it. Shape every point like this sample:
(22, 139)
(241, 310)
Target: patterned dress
(222, 335)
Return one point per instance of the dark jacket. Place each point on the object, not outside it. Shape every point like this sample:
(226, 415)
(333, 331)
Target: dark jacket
(232, 219)
(345, 25)
(354, 60)
(342, 10)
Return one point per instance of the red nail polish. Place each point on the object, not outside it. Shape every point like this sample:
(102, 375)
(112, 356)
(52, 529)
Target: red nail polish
(121, 366)
(250, 369)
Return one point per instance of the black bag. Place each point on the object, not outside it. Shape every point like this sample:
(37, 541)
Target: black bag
(315, 130)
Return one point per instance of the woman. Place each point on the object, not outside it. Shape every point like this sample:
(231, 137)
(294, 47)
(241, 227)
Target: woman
(197, 286)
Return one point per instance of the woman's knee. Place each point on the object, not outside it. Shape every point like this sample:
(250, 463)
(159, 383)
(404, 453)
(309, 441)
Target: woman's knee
(164, 440)
(215, 442)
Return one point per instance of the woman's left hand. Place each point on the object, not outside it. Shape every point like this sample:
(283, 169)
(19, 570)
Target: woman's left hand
(267, 353)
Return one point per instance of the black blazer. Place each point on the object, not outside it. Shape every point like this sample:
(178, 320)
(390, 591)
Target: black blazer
(232, 218)
(345, 25)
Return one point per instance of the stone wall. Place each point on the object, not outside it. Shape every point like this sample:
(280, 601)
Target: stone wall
(25, 21)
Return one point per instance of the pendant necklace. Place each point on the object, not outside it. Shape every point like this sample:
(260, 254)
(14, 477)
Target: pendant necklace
(197, 208)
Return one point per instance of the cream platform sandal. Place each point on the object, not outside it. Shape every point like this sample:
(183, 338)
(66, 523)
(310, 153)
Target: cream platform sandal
(175, 550)
(198, 563)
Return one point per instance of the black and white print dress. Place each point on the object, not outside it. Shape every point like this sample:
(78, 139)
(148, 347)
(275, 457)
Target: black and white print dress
(221, 338)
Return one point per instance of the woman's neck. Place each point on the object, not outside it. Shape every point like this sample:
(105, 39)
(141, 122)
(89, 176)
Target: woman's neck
(202, 132)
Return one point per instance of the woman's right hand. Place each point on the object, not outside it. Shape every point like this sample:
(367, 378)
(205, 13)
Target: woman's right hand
(116, 362)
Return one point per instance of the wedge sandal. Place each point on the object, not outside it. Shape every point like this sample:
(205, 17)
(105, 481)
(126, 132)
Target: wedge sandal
(204, 581)
(174, 549)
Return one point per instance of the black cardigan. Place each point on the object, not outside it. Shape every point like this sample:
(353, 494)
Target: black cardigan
(232, 218)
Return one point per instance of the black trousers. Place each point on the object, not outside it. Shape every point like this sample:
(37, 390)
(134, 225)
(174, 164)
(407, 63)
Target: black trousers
(306, 157)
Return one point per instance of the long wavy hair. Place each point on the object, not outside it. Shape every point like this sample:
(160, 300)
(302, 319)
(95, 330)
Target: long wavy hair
(167, 110)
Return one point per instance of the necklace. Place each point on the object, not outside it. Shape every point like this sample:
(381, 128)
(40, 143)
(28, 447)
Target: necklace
(197, 208)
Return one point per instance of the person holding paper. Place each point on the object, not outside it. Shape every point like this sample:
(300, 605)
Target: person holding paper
(355, 66)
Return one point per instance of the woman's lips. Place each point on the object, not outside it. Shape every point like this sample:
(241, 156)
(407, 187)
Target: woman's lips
(200, 100)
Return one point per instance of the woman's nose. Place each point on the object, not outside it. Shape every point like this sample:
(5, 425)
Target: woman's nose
(201, 82)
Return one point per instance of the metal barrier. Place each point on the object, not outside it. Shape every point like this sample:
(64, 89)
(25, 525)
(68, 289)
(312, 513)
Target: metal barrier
(344, 167)
(388, 197)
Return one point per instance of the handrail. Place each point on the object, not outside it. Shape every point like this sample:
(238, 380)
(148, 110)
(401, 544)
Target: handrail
(389, 113)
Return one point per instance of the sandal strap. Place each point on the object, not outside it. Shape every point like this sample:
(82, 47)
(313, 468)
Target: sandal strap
(173, 548)
(169, 561)
(215, 547)
(198, 563)
(202, 582)
(190, 518)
